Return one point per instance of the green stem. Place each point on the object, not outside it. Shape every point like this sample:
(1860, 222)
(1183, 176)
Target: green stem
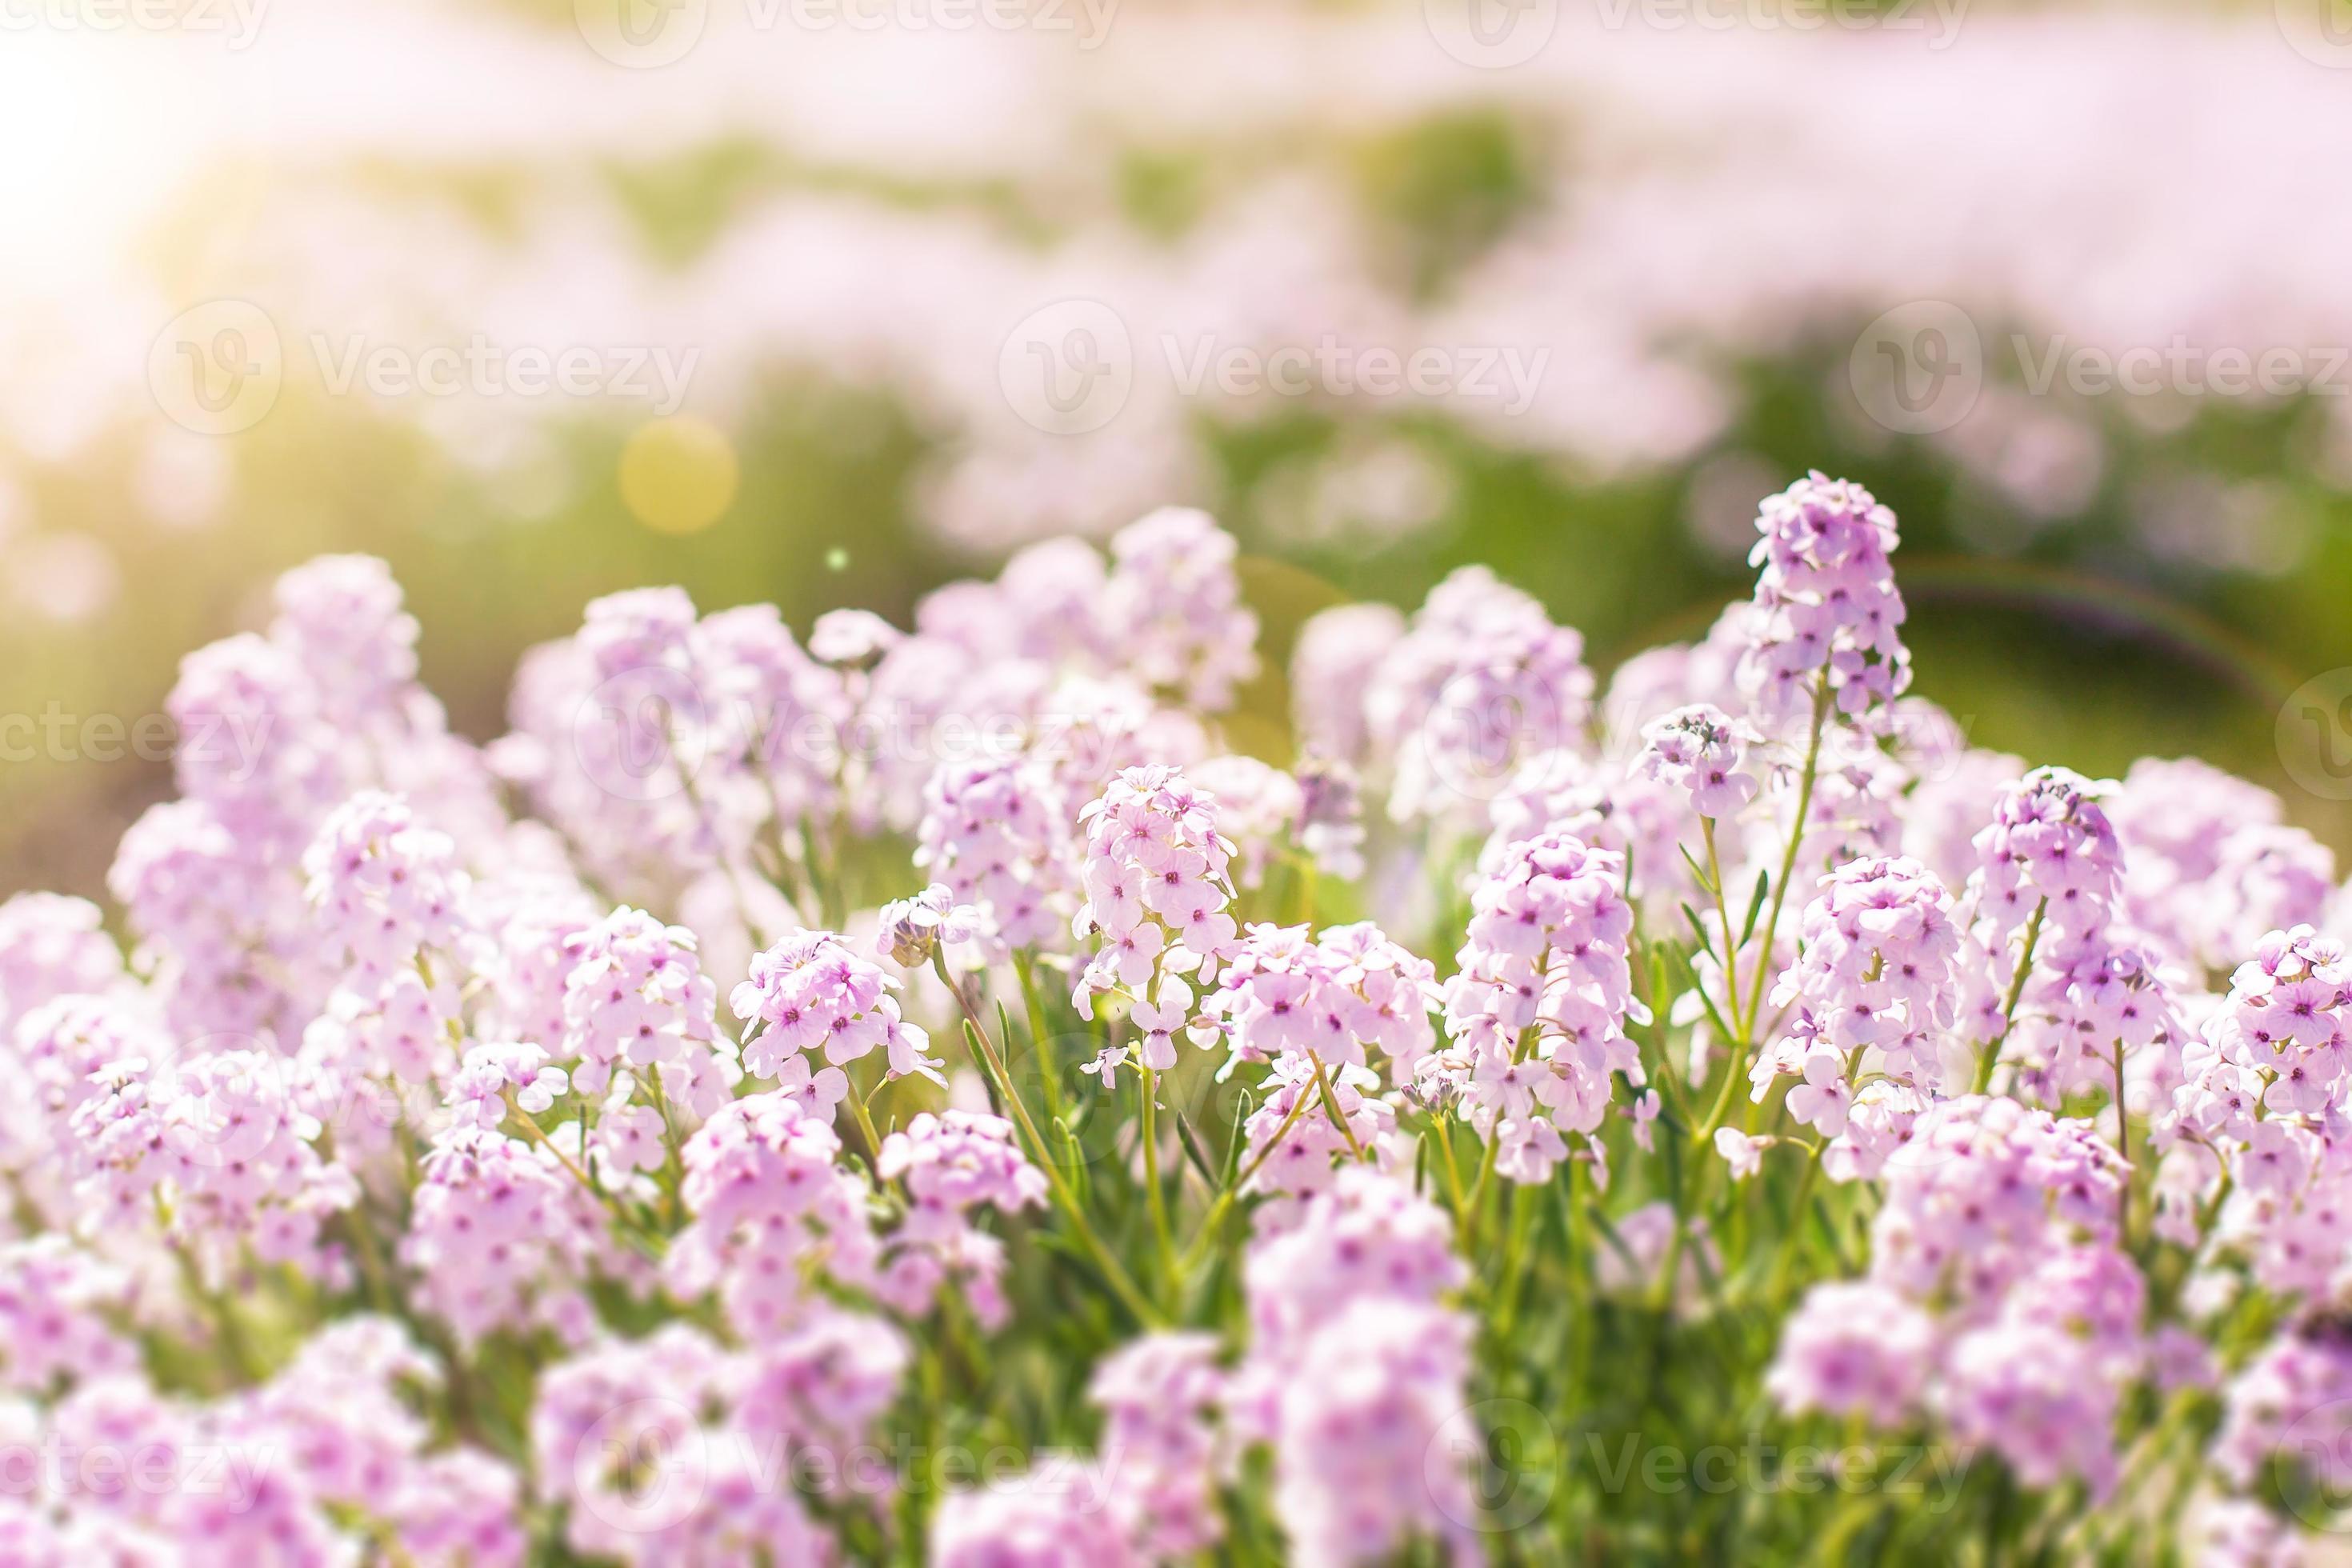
(1155, 1195)
(2009, 1003)
(1215, 1217)
(1515, 1248)
(1113, 1274)
(538, 1136)
(609, 1202)
(216, 1305)
(866, 1129)
(2122, 1147)
(1332, 1105)
(1775, 1290)
(1049, 1072)
(1748, 1026)
(1730, 938)
(1453, 1172)
(370, 1251)
(1493, 1148)
(1475, 1222)
(672, 1177)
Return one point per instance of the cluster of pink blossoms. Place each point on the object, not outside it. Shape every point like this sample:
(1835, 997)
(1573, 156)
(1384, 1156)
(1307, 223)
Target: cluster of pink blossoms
(2259, 1120)
(1868, 1007)
(811, 993)
(1356, 1370)
(950, 1165)
(1701, 753)
(1480, 683)
(637, 1001)
(1310, 1009)
(2290, 1406)
(998, 835)
(1827, 612)
(1162, 1398)
(773, 1210)
(1997, 1297)
(2211, 866)
(1534, 1018)
(672, 1451)
(1157, 888)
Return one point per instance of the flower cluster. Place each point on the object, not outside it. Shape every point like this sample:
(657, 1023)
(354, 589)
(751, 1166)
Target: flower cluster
(637, 999)
(1534, 1018)
(1698, 752)
(998, 837)
(654, 1449)
(1481, 681)
(2292, 1402)
(811, 993)
(1157, 884)
(772, 1212)
(218, 1151)
(2211, 866)
(2050, 850)
(1356, 1370)
(951, 1164)
(1867, 1007)
(1161, 1398)
(502, 1238)
(1175, 607)
(1827, 612)
(1997, 1297)
(1285, 993)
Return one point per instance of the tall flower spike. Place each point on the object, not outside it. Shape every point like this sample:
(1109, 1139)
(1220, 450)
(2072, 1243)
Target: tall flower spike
(1535, 1016)
(2049, 839)
(1481, 682)
(1157, 884)
(636, 998)
(1826, 608)
(1875, 987)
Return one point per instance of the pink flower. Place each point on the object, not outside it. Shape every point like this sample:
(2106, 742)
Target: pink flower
(1699, 750)
(1854, 1349)
(1744, 1154)
(1821, 1099)
(1826, 609)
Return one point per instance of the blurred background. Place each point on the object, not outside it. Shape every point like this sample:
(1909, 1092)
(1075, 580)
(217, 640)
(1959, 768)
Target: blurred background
(829, 301)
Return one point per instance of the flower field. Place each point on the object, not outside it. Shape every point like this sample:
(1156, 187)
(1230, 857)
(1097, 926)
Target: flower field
(920, 1094)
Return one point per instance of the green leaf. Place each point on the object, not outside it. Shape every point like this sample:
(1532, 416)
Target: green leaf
(1192, 1150)
(1698, 930)
(1242, 1107)
(1754, 905)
